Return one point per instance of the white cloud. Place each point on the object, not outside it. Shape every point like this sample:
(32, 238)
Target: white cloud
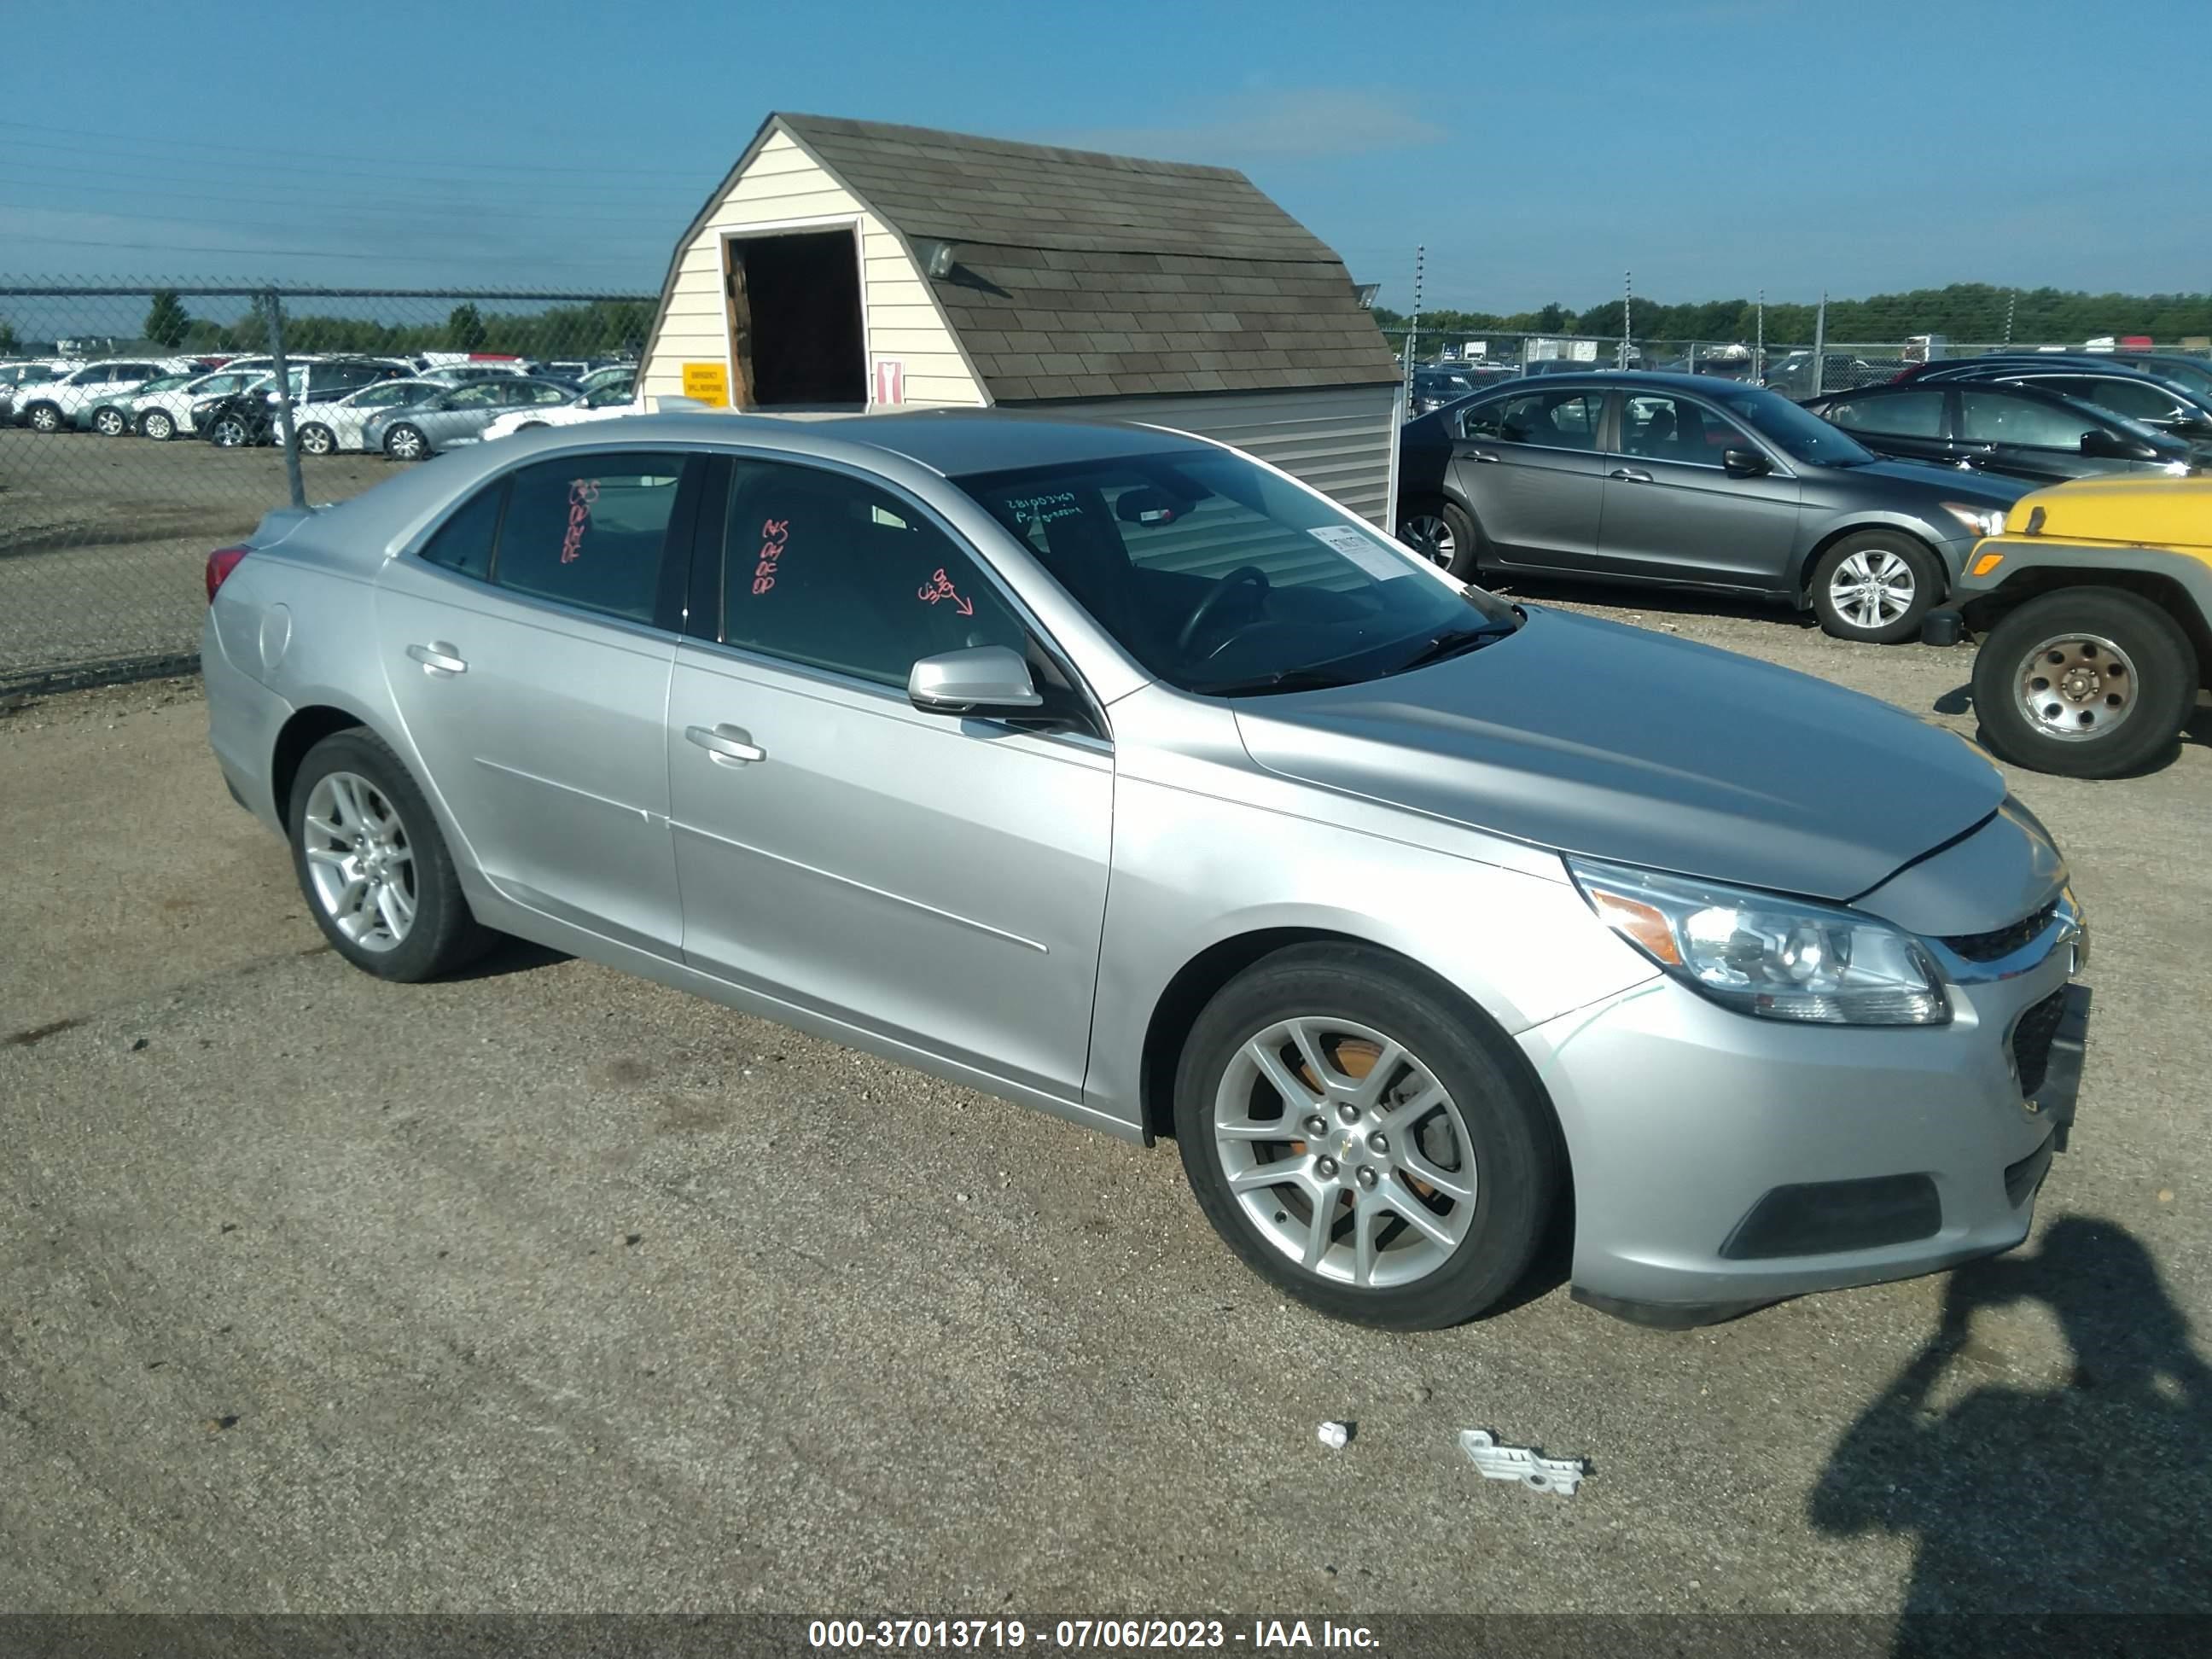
(1272, 123)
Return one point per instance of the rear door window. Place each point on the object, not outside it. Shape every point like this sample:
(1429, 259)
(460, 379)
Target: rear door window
(1997, 417)
(1905, 415)
(1550, 420)
(590, 531)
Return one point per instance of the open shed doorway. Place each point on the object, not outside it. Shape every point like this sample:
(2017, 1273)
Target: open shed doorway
(794, 316)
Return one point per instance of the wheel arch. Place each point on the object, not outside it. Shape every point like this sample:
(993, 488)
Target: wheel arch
(1982, 612)
(307, 725)
(1196, 983)
(1800, 579)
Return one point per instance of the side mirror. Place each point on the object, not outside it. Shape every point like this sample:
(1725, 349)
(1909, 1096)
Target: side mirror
(983, 679)
(2110, 446)
(2191, 427)
(1745, 464)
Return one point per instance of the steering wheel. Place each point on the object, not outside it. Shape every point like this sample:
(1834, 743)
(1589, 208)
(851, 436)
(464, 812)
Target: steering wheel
(1245, 576)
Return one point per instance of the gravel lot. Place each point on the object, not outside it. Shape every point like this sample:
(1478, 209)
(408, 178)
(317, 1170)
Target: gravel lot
(548, 1289)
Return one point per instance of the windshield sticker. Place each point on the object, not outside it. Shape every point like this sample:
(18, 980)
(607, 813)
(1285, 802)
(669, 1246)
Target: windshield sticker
(1359, 547)
(774, 532)
(939, 587)
(582, 493)
(1044, 509)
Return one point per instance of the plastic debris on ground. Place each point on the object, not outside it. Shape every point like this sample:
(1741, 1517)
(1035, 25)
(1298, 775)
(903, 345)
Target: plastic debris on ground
(1335, 1436)
(1560, 1475)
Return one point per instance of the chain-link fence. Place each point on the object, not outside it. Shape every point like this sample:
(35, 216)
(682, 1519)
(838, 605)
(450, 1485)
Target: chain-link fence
(142, 426)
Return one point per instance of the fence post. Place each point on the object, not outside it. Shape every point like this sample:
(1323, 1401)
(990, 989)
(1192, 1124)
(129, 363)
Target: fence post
(1413, 330)
(1758, 351)
(290, 437)
(1627, 318)
(1820, 346)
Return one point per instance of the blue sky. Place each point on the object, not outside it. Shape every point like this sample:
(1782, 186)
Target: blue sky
(1713, 147)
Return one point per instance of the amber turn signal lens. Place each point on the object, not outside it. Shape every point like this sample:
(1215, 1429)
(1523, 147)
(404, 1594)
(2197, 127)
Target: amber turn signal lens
(1988, 563)
(1641, 922)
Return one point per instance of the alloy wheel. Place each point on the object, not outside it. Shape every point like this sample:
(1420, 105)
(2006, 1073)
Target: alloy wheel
(405, 444)
(360, 861)
(45, 418)
(1428, 535)
(108, 423)
(1345, 1151)
(316, 440)
(1872, 588)
(230, 433)
(2076, 686)
(159, 426)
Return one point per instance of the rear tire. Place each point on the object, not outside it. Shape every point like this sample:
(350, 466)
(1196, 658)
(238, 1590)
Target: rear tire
(372, 822)
(316, 439)
(1875, 586)
(110, 422)
(1390, 1037)
(1445, 533)
(2084, 682)
(405, 443)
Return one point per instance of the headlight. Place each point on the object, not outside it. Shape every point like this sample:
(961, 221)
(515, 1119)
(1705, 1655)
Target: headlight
(1779, 958)
(1982, 520)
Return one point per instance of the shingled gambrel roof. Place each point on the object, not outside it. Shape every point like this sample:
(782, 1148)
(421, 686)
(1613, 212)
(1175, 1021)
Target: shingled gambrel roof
(1078, 275)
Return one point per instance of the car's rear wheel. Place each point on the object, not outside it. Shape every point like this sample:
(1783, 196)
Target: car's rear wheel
(44, 417)
(157, 424)
(375, 871)
(1443, 533)
(1363, 1138)
(230, 432)
(405, 443)
(110, 422)
(2084, 682)
(316, 439)
(1875, 586)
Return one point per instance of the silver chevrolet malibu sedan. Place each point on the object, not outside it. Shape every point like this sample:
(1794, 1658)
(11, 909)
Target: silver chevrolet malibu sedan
(1113, 771)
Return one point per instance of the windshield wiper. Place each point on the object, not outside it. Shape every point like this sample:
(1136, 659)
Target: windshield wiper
(1456, 642)
(1291, 679)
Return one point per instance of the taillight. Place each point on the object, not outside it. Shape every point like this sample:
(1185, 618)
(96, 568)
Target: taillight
(219, 564)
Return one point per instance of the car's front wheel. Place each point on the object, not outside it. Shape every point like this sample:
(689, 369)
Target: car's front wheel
(44, 417)
(2084, 682)
(405, 443)
(230, 432)
(316, 439)
(156, 424)
(1875, 586)
(1364, 1139)
(1443, 533)
(375, 871)
(110, 422)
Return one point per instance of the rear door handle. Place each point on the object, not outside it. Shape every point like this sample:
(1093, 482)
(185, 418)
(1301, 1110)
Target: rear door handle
(728, 745)
(439, 660)
(1480, 455)
(1631, 475)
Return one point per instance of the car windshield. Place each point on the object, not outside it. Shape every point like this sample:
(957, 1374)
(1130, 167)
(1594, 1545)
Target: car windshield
(1223, 579)
(1796, 431)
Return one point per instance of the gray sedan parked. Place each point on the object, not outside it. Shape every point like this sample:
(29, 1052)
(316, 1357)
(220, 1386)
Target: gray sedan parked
(1117, 773)
(457, 416)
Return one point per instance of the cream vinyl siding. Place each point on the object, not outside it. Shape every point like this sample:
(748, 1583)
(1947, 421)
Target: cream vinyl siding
(1338, 439)
(783, 184)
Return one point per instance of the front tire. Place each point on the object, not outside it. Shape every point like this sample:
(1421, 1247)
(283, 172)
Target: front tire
(405, 443)
(110, 422)
(1364, 1139)
(44, 417)
(376, 873)
(157, 424)
(2084, 682)
(1875, 586)
(316, 439)
(1445, 533)
(230, 432)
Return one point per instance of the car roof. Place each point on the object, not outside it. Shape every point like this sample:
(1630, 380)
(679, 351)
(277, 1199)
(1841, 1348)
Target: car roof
(1564, 380)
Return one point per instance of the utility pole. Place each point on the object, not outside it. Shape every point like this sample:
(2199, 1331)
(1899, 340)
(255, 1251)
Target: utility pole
(1413, 331)
(282, 373)
(1758, 349)
(1627, 317)
(1821, 346)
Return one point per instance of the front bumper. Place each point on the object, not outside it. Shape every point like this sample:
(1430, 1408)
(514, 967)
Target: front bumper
(1722, 1161)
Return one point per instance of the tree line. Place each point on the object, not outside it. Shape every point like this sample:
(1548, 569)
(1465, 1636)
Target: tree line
(1966, 312)
(595, 328)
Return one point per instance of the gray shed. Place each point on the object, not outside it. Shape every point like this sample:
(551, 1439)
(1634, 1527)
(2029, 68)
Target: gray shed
(853, 265)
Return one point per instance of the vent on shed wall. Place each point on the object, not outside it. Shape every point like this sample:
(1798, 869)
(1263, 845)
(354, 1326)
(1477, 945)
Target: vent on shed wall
(794, 316)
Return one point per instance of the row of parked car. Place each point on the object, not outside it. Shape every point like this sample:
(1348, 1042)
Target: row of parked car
(406, 408)
(1697, 482)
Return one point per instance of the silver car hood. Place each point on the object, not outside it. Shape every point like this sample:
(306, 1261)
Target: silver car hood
(1616, 743)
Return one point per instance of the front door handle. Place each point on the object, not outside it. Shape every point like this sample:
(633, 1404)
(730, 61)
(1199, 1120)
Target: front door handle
(727, 746)
(439, 661)
(1630, 475)
(1480, 455)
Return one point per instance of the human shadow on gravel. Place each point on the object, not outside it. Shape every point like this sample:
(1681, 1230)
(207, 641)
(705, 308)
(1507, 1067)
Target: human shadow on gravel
(2089, 1498)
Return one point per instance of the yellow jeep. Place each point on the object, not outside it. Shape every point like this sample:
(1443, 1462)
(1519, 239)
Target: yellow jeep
(2095, 607)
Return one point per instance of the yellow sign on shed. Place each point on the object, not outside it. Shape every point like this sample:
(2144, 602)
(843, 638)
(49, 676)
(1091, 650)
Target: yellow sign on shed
(709, 383)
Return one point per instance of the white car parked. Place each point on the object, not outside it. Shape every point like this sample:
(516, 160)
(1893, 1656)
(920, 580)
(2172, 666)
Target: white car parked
(163, 414)
(606, 403)
(327, 427)
(53, 405)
